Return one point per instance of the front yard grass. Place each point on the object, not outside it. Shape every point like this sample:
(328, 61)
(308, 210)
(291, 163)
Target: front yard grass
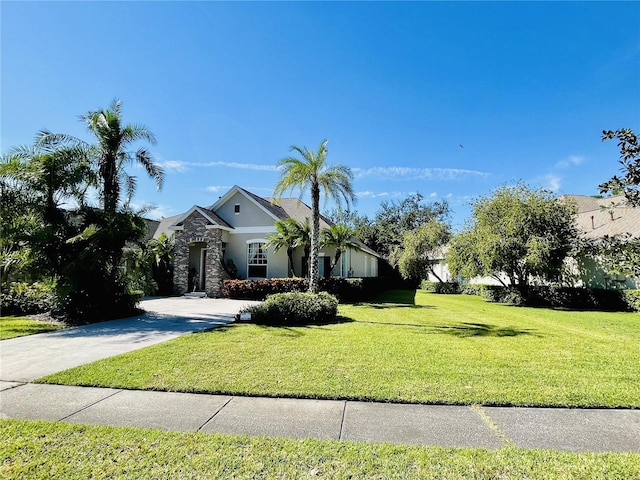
(57, 450)
(11, 327)
(451, 349)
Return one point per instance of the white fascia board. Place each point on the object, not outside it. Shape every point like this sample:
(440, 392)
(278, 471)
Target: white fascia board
(245, 230)
(223, 199)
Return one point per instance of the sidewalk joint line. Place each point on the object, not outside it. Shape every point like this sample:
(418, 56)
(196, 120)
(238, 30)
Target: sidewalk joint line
(506, 441)
(89, 405)
(214, 414)
(344, 411)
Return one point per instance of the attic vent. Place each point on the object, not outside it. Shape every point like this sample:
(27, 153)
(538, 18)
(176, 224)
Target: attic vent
(236, 208)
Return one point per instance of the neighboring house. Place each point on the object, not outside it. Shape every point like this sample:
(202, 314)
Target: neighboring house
(236, 228)
(595, 218)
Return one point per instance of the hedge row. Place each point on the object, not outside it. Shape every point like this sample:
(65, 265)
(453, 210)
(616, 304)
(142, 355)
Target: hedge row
(345, 289)
(294, 308)
(546, 296)
(440, 287)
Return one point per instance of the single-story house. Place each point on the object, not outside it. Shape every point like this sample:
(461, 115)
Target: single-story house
(235, 231)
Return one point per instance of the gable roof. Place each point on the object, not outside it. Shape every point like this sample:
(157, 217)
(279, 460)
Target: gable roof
(270, 209)
(211, 216)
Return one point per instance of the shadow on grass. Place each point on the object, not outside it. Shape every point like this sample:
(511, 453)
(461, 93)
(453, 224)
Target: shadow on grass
(467, 329)
(393, 299)
(284, 324)
(463, 330)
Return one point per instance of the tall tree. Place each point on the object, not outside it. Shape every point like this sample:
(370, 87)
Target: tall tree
(312, 172)
(111, 154)
(629, 184)
(340, 237)
(517, 231)
(385, 232)
(422, 249)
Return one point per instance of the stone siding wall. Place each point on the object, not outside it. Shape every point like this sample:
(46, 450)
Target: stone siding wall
(195, 231)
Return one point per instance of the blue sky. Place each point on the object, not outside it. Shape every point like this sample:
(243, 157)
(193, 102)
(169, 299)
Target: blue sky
(447, 99)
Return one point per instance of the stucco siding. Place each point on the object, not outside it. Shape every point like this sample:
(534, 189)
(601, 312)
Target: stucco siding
(250, 214)
(236, 250)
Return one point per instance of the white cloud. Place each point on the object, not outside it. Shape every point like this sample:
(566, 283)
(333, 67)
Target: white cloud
(552, 182)
(217, 188)
(173, 166)
(154, 212)
(370, 194)
(418, 173)
(570, 161)
(180, 166)
(433, 194)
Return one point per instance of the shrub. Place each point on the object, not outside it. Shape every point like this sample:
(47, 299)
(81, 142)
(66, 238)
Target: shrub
(345, 289)
(632, 299)
(500, 294)
(472, 289)
(440, 287)
(294, 308)
(564, 297)
(260, 289)
(25, 299)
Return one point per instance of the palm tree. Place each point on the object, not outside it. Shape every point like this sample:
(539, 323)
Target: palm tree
(340, 237)
(111, 154)
(285, 237)
(46, 174)
(313, 172)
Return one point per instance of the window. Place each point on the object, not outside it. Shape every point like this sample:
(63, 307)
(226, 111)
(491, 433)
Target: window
(236, 208)
(256, 260)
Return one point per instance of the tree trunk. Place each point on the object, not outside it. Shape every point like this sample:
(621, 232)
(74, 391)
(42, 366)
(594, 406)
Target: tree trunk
(290, 256)
(433, 272)
(315, 233)
(336, 259)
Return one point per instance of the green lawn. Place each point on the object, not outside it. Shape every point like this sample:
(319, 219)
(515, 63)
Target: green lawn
(11, 327)
(57, 450)
(451, 349)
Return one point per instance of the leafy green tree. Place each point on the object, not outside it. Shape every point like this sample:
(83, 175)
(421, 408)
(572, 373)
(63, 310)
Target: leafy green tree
(340, 237)
(385, 232)
(422, 249)
(312, 172)
(629, 184)
(517, 231)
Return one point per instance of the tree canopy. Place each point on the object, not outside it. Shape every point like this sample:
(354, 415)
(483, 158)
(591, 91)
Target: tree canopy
(519, 232)
(422, 249)
(384, 233)
(629, 183)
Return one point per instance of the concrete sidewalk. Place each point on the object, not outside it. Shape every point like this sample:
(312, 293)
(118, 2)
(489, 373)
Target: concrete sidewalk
(582, 430)
(24, 359)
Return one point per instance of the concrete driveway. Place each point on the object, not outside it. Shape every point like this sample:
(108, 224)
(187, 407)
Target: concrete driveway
(24, 359)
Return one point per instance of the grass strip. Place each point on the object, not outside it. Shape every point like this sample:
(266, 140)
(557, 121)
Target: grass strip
(11, 327)
(39, 450)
